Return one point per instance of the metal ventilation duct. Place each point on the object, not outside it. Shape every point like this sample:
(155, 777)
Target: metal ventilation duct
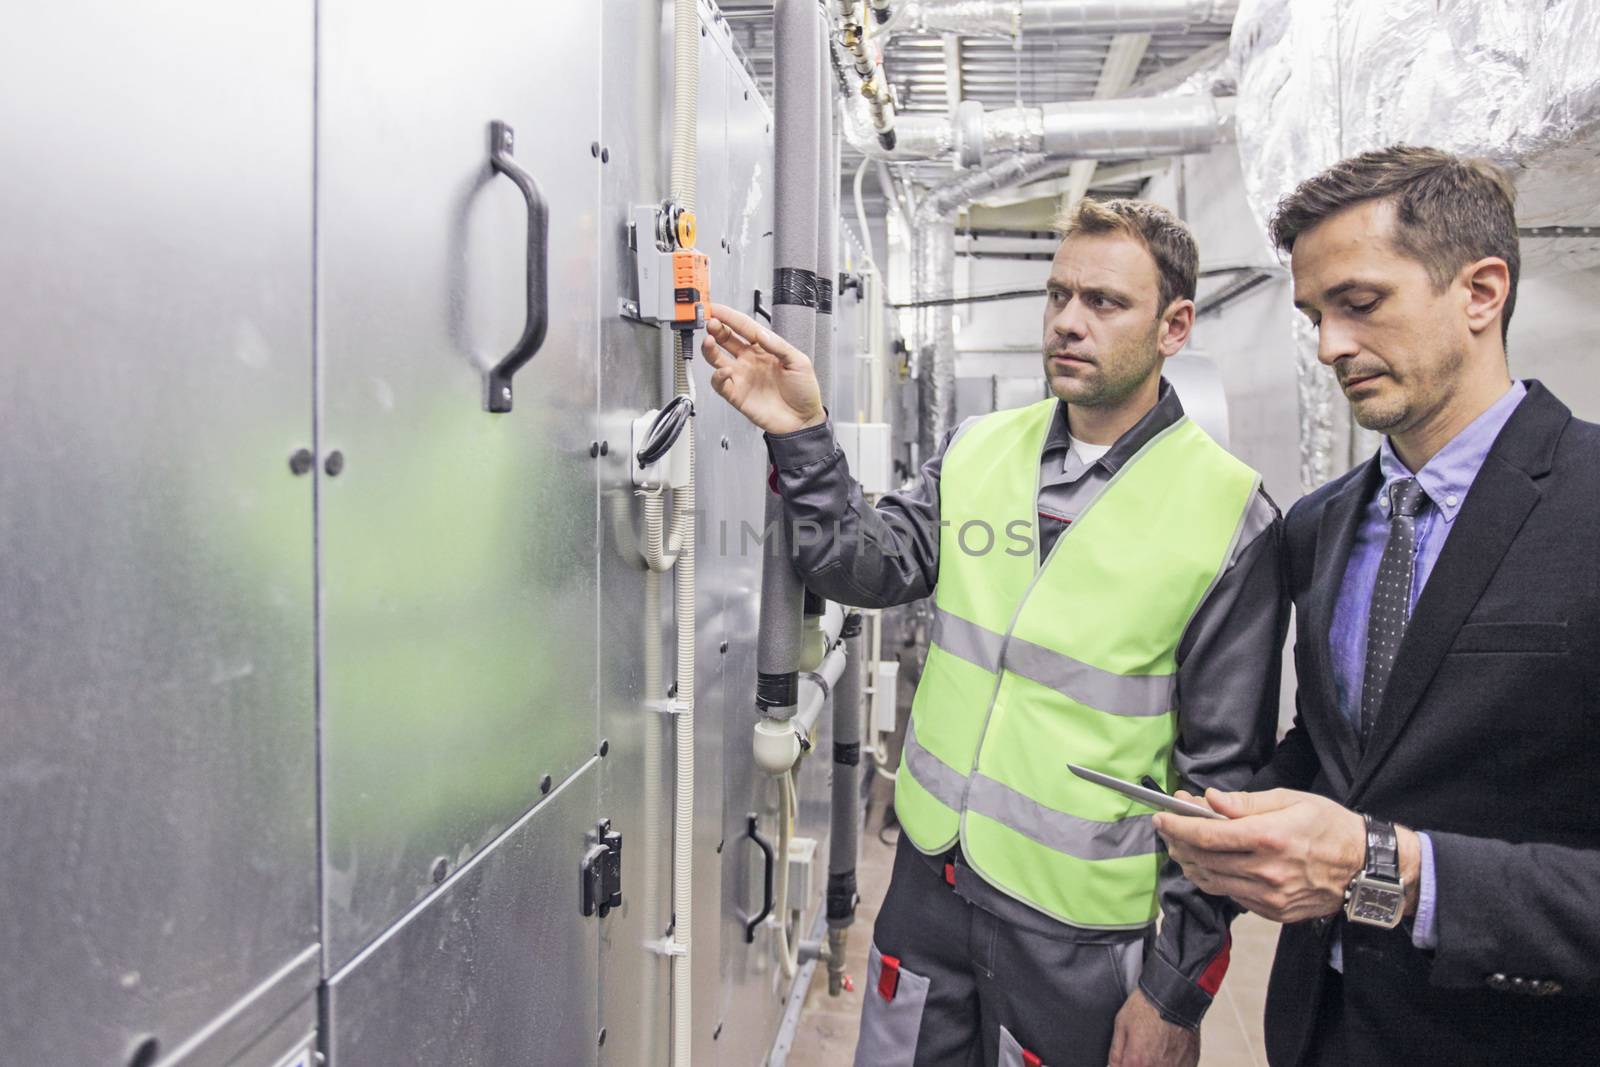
(1081, 129)
(1013, 17)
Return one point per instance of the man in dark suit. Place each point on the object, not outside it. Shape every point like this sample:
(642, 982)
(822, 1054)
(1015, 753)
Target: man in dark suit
(1429, 829)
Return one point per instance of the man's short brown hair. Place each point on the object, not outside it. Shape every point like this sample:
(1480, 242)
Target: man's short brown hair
(1162, 233)
(1449, 211)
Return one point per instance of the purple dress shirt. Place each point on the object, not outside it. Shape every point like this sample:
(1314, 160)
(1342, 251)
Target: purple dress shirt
(1446, 480)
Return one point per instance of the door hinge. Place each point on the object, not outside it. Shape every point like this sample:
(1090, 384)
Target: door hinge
(601, 873)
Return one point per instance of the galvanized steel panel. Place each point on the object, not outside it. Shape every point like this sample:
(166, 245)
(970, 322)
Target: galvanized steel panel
(156, 716)
(635, 776)
(458, 546)
(496, 967)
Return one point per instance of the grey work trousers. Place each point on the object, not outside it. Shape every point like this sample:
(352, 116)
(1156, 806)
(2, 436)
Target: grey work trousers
(959, 976)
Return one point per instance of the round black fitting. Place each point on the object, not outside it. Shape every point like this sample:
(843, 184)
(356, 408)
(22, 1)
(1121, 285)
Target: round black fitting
(605, 155)
(594, 149)
(605, 746)
(441, 867)
(334, 463)
(605, 448)
(301, 461)
(602, 1035)
(544, 784)
(594, 449)
(723, 647)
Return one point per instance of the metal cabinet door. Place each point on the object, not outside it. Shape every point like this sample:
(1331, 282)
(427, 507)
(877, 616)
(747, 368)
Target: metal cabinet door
(458, 547)
(157, 760)
(496, 969)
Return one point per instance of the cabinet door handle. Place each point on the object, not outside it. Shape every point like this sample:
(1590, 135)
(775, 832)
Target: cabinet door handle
(501, 141)
(768, 898)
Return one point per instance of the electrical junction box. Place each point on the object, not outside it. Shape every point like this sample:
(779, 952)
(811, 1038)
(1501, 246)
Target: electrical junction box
(671, 471)
(866, 449)
(802, 861)
(884, 688)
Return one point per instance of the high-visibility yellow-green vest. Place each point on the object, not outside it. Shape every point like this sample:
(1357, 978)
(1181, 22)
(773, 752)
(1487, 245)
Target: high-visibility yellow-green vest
(1034, 665)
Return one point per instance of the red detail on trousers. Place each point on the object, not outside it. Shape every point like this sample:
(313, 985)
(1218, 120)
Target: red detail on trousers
(889, 977)
(1211, 977)
(1031, 1059)
(950, 874)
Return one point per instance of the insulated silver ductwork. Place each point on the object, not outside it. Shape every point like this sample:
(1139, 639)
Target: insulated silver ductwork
(1082, 129)
(1518, 84)
(933, 277)
(1008, 18)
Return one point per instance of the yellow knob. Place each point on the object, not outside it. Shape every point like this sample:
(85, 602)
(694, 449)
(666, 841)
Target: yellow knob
(686, 230)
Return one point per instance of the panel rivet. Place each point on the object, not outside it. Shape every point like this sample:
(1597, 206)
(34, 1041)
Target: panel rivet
(300, 462)
(723, 647)
(605, 746)
(544, 784)
(334, 463)
(602, 1035)
(441, 867)
(605, 155)
(594, 449)
(594, 149)
(605, 448)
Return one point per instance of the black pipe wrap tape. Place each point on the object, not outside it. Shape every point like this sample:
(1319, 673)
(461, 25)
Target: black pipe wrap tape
(815, 604)
(794, 285)
(824, 296)
(777, 690)
(842, 895)
(852, 625)
(848, 755)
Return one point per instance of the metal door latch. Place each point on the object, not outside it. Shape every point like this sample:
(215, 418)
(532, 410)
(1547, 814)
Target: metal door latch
(601, 873)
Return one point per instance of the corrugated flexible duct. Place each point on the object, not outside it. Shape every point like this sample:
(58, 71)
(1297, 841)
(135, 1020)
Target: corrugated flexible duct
(1515, 83)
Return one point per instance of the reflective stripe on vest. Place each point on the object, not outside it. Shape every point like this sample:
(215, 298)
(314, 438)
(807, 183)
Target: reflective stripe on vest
(1073, 659)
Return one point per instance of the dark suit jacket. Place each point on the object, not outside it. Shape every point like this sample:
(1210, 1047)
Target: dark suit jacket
(1487, 739)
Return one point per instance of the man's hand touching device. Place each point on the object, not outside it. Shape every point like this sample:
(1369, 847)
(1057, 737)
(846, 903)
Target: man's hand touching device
(767, 379)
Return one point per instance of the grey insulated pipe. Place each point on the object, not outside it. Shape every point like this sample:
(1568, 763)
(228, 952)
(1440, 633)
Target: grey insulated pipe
(798, 86)
(827, 229)
(845, 811)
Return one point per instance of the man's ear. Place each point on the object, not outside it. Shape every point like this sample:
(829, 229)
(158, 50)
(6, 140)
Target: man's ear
(1176, 323)
(1488, 284)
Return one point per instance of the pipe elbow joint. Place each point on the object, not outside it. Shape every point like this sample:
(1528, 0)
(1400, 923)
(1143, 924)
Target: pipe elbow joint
(776, 746)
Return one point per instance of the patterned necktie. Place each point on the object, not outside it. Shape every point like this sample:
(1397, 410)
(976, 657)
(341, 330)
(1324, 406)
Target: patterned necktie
(1391, 598)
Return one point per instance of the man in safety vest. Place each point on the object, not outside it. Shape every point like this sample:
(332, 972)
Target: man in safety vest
(1107, 592)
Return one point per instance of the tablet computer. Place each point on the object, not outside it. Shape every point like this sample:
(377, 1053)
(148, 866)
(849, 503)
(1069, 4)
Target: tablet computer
(1152, 797)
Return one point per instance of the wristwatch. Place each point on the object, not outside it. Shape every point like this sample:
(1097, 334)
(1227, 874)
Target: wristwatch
(1376, 896)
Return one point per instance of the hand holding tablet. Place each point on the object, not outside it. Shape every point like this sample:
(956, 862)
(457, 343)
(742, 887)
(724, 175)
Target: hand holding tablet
(1155, 798)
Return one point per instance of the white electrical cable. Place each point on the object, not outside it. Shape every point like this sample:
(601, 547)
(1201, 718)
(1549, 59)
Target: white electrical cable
(788, 946)
(861, 219)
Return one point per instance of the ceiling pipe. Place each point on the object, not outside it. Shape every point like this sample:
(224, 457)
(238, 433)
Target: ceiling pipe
(1083, 129)
(1011, 18)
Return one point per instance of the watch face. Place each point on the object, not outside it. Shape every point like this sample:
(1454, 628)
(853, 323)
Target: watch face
(1377, 904)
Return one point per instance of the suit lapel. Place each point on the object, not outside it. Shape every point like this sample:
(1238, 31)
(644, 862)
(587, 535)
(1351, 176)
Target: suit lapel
(1331, 731)
(1501, 498)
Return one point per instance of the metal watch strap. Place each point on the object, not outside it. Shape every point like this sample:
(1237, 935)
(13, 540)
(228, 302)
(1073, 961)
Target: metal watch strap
(1383, 850)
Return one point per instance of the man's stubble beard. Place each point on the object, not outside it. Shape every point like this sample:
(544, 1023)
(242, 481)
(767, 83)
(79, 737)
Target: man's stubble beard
(1110, 392)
